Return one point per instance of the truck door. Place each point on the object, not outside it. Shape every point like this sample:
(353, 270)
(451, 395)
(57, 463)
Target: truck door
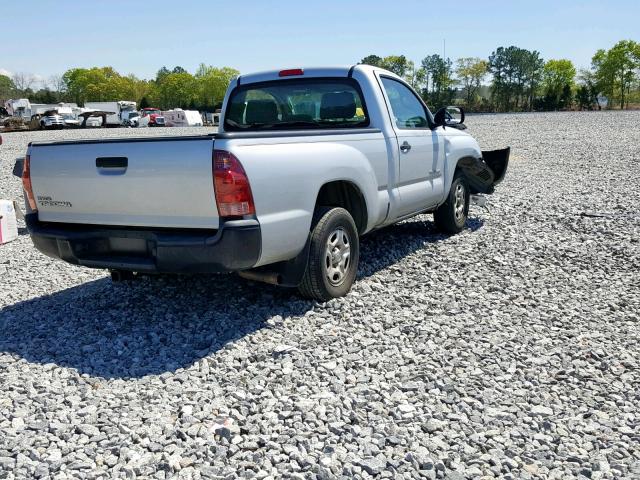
(421, 150)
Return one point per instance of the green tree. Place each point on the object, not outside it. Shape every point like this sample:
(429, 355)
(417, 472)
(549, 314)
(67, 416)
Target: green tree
(438, 80)
(163, 72)
(100, 84)
(374, 60)
(397, 64)
(144, 102)
(517, 73)
(212, 84)
(616, 70)
(415, 76)
(177, 90)
(7, 88)
(558, 80)
(45, 95)
(471, 71)
(588, 90)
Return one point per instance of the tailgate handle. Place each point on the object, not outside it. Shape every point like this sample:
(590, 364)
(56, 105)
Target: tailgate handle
(112, 162)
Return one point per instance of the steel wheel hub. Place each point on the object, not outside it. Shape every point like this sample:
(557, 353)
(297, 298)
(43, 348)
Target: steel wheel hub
(459, 202)
(337, 256)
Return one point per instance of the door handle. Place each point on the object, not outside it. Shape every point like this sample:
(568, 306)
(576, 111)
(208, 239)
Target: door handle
(405, 147)
(112, 162)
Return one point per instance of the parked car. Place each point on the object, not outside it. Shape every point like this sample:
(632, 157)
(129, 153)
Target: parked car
(90, 118)
(296, 174)
(51, 119)
(70, 120)
(131, 119)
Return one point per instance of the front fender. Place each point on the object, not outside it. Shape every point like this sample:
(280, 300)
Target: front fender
(458, 146)
(482, 169)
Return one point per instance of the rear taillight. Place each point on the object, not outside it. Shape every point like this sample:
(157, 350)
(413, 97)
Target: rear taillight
(291, 72)
(231, 186)
(26, 183)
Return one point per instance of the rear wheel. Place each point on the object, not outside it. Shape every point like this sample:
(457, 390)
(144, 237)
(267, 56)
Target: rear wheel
(333, 255)
(451, 216)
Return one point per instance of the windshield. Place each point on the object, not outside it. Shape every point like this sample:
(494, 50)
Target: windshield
(296, 104)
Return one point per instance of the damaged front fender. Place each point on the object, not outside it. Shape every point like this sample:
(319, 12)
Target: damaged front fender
(484, 173)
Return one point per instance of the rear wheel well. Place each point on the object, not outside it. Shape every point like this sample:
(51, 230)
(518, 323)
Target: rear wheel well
(342, 193)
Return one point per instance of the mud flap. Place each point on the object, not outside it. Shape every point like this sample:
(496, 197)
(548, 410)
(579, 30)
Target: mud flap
(17, 168)
(483, 174)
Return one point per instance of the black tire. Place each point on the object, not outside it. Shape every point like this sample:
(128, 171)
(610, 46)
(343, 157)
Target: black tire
(448, 218)
(316, 284)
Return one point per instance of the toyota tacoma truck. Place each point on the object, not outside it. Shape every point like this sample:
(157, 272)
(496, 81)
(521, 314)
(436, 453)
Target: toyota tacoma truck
(304, 163)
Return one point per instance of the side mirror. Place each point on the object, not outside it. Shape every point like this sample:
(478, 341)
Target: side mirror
(449, 117)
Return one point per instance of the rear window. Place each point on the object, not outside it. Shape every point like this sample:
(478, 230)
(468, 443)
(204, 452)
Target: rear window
(296, 104)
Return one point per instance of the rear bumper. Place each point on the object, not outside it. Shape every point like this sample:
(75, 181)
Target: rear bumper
(235, 246)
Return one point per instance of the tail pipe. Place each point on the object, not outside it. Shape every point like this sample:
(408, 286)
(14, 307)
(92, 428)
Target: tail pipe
(266, 277)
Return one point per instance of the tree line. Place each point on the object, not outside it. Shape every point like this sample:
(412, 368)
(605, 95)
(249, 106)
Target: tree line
(204, 90)
(510, 79)
(521, 80)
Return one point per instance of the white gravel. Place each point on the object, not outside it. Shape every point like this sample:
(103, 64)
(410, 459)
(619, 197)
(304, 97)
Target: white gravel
(510, 350)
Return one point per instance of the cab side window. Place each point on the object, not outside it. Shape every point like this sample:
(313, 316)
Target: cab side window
(407, 110)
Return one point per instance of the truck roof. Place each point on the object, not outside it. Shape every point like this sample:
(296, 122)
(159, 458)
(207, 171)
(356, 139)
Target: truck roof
(337, 71)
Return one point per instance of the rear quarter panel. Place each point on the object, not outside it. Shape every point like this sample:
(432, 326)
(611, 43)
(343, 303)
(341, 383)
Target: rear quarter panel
(286, 175)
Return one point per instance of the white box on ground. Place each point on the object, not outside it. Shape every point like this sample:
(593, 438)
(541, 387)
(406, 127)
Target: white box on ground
(8, 223)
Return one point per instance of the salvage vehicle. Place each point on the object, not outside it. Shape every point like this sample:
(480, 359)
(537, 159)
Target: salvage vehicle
(305, 162)
(120, 111)
(151, 117)
(147, 117)
(50, 119)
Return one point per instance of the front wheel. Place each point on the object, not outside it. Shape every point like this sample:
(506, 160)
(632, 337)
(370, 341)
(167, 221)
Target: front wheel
(333, 255)
(451, 216)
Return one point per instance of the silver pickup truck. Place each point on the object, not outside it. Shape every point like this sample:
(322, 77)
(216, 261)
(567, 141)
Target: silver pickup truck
(304, 163)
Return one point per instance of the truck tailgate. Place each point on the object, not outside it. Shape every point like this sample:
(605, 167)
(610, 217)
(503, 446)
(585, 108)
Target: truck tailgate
(148, 182)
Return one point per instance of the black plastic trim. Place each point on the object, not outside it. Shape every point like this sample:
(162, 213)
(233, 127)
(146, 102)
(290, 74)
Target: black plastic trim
(176, 138)
(350, 81)
(295, 133)
(112, 162)
(350, 74)
(236, 245)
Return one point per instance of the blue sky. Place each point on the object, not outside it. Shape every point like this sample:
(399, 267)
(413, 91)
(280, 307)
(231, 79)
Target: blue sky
(47, 37)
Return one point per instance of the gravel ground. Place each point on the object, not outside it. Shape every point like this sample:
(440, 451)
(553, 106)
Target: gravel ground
(510, 350)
